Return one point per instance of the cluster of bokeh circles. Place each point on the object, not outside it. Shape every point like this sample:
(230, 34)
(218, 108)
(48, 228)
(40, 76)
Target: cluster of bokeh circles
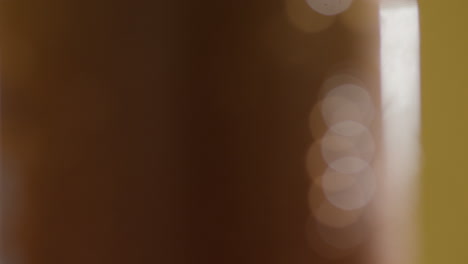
(339, 164)
(340, 160)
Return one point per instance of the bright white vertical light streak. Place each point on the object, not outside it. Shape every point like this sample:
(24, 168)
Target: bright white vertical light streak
(400, 91)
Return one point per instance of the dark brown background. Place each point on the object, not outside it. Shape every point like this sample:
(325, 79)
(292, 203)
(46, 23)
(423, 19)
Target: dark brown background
(158, 131)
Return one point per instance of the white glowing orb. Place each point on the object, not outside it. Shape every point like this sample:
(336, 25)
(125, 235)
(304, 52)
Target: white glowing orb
(348, 147)
(329, 7)
(305, 19)
(349, 191)
(349, 165)
(348, 102)
(328, 214)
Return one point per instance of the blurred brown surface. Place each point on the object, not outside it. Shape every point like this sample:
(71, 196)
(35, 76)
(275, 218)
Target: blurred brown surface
(158, 131)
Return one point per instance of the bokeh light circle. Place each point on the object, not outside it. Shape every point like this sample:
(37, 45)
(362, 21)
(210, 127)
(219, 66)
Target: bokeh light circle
(349, 165)
(329, 7)
(315, 164)
(322, 242)
(327, 214)
(316, 123)
(307, 20)
(348, 101)
(346, 238)
(349, 191)
(347, 142)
